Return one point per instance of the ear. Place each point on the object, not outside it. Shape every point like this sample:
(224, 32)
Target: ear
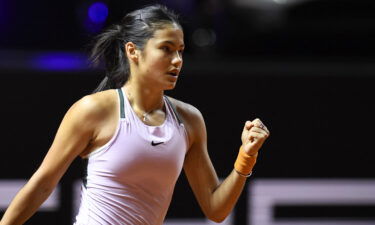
(131, 51)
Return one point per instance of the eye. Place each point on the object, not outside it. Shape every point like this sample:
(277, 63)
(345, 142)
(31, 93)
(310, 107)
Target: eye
(166, 48)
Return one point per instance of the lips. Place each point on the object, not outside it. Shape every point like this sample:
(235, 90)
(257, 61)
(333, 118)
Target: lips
(174, 73)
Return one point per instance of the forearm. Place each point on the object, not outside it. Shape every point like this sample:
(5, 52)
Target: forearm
(224, 198)
(26, 202)
(226, 195)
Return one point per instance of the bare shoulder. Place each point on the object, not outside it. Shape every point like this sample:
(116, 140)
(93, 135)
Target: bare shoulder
(187, 111)
(92, 110)
(97, 104)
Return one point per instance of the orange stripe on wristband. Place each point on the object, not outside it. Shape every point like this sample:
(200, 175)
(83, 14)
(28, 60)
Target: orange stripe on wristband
(244, 163)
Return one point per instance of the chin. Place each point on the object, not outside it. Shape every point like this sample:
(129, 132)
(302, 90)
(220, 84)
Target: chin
(170, 87)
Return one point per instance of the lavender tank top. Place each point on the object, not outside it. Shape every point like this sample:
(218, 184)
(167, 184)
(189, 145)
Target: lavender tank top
(130, 180)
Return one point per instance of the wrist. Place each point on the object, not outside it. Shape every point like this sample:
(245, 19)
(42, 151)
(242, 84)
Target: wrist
(244, 175)
(244, 163)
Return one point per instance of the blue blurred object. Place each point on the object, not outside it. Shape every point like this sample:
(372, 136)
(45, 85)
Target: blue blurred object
(93, 16)
(59, 61)
(98, 12)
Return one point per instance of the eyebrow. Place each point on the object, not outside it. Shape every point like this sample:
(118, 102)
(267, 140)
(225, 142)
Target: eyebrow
(172, 43)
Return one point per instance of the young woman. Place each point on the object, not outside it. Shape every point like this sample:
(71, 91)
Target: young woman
(135, 139)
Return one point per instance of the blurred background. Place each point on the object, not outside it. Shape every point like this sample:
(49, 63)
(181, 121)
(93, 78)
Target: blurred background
(305, 67)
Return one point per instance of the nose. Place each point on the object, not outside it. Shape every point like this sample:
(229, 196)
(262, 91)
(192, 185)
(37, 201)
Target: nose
(177, 59)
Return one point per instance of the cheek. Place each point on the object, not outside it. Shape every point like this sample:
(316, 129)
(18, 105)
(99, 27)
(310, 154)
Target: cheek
(152, 68)
(157, 61)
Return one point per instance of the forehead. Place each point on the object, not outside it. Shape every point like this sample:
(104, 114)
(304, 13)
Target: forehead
(170, 33)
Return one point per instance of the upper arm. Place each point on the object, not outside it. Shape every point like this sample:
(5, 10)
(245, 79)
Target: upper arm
(198, 166)
(74, 134)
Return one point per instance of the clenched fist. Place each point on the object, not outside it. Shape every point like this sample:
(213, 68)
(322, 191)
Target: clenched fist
(253, 136)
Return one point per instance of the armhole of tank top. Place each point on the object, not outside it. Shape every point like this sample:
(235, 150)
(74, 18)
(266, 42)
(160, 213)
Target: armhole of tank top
(85, 160)
(118, 126)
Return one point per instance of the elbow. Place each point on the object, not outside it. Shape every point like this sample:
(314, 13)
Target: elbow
(217, 211)
(46, 189)
(216, 217)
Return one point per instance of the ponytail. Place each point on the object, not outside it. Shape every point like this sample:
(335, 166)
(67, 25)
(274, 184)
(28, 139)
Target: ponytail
(109, 47)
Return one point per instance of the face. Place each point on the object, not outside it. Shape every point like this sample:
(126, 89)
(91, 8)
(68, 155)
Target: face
(160, 62)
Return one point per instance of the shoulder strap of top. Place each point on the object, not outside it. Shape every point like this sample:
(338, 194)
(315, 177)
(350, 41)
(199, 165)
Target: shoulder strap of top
(121, 103)
(174, 110)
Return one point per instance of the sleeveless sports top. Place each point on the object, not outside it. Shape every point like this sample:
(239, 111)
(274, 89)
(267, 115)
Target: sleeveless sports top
(130, 180)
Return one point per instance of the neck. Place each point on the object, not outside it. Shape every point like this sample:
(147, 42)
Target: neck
(144, 99)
